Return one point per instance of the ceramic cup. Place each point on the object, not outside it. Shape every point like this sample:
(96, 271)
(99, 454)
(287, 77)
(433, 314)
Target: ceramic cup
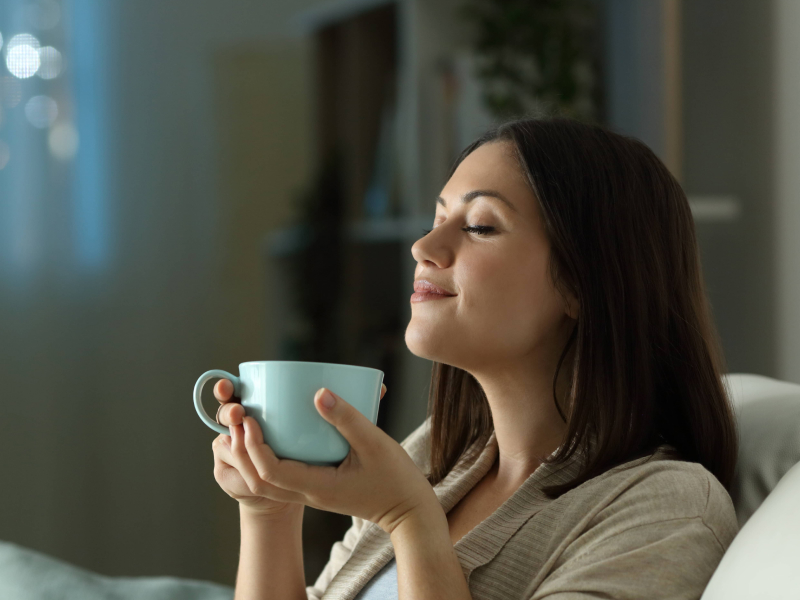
(279, 394)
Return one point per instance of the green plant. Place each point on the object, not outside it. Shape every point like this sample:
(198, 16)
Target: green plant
(537, 56)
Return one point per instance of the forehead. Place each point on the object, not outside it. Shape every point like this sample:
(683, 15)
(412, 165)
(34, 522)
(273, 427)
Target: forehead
(491, 166)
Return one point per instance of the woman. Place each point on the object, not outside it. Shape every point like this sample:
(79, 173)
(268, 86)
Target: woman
(579, 441)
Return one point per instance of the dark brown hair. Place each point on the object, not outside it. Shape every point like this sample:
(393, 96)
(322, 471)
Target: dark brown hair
(647, 358)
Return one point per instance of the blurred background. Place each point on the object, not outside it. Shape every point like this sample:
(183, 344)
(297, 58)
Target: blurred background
(192, 185)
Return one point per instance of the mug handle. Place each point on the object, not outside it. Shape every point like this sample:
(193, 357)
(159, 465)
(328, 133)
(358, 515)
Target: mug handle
(198, 404)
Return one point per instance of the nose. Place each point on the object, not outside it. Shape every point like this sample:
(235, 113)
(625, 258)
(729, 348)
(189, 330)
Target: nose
(421, 252)
(423, 248)
(416, 249)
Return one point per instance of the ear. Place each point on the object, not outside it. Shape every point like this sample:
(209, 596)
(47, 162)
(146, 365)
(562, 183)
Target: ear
(572, 307)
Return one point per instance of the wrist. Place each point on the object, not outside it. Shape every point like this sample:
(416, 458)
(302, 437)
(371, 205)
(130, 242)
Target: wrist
(429, 518)
(425, 555)
(290, 514)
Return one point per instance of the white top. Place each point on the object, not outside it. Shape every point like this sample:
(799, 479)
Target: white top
(383, 586)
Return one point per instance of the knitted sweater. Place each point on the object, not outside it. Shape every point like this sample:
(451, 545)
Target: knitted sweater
(651, 528)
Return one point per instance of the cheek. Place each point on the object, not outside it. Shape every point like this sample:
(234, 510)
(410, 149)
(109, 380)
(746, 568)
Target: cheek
(513, 298)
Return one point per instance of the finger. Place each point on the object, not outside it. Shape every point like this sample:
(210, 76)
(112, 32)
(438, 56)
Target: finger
(251, 476)
(222, 449)
(228, 414)
(224, 461)
(231, 413)
(223, 390)
(225, 472)
(241, 460)
(307, 481)
(231, 479)
(383, 390)
(228, 477)
(222, 458)
(358, 430)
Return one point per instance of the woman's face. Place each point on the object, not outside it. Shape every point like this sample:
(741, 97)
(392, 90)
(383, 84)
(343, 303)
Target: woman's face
(505, 310)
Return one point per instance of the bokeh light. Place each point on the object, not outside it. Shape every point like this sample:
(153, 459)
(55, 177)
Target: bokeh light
(22, 55)
(41, 111)
(23, 39)
(50, 63)
(63, 141)
(23, 61)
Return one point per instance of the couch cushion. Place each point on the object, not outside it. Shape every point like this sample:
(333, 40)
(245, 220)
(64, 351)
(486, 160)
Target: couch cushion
(768, 416)
(763, 561)
(29, 575)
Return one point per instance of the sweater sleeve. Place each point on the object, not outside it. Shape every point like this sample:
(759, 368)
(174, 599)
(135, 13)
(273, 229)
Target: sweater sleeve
(340, 552)
(653, 555)
(667, 559)
(414, 444)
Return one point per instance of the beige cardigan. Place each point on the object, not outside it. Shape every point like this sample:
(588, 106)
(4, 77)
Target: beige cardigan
(656, 530)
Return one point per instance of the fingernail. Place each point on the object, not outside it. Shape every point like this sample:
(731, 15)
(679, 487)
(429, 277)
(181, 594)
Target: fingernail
(327, 399)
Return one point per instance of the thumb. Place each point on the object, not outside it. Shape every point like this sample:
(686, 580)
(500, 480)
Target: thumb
(357, 429)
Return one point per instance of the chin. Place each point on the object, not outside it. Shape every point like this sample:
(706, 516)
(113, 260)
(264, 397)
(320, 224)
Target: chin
(427, 343)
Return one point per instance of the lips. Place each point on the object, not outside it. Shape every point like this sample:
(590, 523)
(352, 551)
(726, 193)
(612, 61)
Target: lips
(425, 286)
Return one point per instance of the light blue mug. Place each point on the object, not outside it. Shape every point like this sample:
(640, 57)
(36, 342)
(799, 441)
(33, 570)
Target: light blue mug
(279, 394)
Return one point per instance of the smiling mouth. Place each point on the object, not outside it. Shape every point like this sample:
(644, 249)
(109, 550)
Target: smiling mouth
(423, 296)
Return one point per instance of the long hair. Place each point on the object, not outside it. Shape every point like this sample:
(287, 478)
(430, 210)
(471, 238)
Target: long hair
(647, 357)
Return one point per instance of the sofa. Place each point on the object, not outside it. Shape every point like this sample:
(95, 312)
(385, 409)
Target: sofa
(763, 562)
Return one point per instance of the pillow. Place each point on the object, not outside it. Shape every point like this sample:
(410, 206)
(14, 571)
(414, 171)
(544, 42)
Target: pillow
(768, 416)
(29, 575)
(764, 558)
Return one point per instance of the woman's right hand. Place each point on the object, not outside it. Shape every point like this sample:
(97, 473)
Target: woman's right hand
(229, 451)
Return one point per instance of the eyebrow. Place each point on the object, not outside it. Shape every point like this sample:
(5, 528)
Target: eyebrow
(469, 196)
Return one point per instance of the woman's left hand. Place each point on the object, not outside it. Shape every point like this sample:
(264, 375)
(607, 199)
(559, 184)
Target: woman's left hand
(377, 481)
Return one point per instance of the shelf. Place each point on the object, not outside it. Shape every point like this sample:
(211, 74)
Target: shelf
(285, 242)
(714, 208)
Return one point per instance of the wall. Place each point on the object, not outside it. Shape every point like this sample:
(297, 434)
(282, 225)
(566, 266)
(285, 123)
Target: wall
(106, 463)
(729, 148)
(786, 132)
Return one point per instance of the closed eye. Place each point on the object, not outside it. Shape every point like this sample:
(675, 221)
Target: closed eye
(479, 229)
